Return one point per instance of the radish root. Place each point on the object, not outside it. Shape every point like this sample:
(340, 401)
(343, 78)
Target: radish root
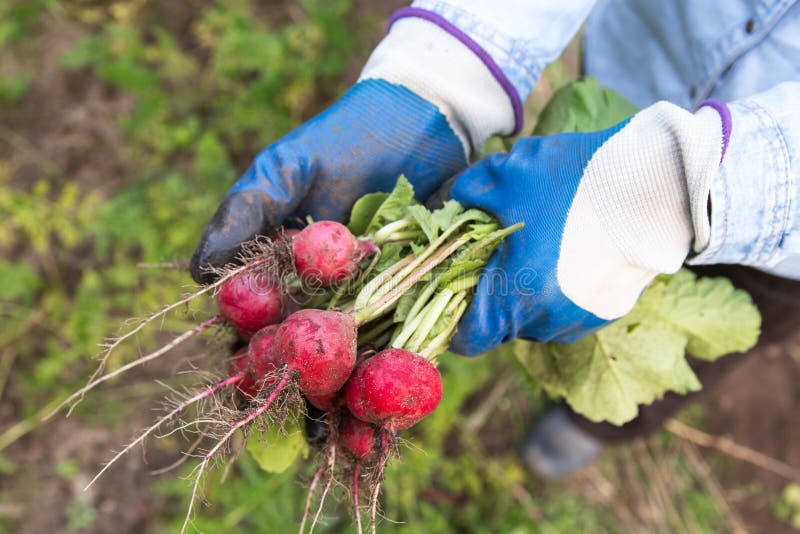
(263, 254)
(311, 489)
(178, 409)
(379, 472)
(355, 496)
(76, 397)
(268, 402)
(331, 466)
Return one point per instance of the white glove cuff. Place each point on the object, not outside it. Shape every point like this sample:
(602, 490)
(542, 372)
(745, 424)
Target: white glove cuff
(700, 176)
(649, 184)
(432, 63)
(641, 203)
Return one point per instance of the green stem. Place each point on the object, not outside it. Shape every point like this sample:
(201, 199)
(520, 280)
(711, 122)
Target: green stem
(409, 326)
(381, 236)
(405, 237)
(437, 307)
(440, 343)
(335, 298)
(423, 298)
(464, 283)
(370, 287)
(414, 265)
(454, 302)
(428, 252)
(389, 297)
(347, 307)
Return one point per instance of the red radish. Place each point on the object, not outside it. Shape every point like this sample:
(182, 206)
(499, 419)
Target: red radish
(250, 301)
(257, 361)
(394, 389)
(320, 346)
(324, 402)
(326, 253)
(358, 438)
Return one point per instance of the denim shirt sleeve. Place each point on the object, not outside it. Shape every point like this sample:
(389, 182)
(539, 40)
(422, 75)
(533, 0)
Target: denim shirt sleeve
(522, 37)
(755, 195)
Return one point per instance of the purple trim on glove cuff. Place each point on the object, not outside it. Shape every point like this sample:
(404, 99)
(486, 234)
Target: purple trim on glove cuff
(487, 60)
(727, 123)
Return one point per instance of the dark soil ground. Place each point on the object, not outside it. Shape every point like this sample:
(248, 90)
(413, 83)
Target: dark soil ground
(757, 406)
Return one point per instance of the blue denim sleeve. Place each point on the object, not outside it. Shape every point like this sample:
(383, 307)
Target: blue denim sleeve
(521, 36)
(755, 196)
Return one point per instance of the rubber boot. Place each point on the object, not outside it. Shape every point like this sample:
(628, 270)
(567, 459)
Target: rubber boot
(556, 448)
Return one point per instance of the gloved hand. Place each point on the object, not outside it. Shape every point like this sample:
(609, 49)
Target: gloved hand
(424, 101)
(604, 213)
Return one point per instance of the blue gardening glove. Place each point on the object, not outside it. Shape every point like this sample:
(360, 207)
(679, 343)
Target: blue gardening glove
(424, 102)
(604, 213)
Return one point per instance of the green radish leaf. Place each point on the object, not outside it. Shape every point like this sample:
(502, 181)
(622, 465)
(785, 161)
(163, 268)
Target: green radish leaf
(426, 221)
(607, 375)
(444, 216)
(583, 106)
(364, 210)
(433, 223)
(472, 215)
(274, 450)
(394, 207)
(541, 365)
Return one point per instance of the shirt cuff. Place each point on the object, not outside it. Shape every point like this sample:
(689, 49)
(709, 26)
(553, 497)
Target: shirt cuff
(521, 36)
(751, 192)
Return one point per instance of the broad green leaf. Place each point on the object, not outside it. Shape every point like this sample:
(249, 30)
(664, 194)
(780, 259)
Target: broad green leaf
(364, 210)
(609, 374)
(606, 376)
(717, 318)
(394, 207)
(583, 106)
(638, 358)
(539, 361)
(274, 449)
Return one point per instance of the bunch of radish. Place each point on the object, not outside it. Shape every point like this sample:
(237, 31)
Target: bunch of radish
(348, 319)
